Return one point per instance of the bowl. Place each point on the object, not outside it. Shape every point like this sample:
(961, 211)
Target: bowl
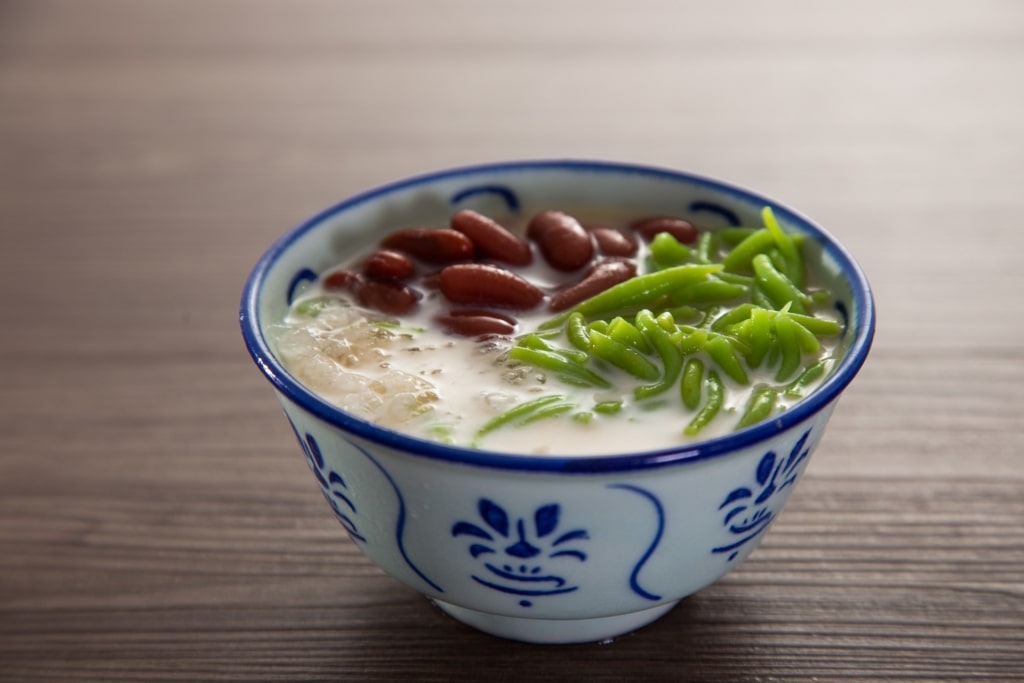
(548, 549)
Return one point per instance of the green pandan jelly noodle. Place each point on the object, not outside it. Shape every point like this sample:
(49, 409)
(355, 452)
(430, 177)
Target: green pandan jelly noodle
(661, 337)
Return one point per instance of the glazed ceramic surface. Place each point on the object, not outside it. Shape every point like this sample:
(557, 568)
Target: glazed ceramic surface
(550, 549)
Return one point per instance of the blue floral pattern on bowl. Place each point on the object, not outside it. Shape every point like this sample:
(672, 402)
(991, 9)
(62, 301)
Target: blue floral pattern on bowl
(331, 483)
(747, 509)
(514, 552)
(520, 555)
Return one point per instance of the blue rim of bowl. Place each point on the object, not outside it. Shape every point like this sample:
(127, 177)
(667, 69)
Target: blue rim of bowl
(864, 325)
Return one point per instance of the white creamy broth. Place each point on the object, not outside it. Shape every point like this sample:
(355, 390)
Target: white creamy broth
(410, 376)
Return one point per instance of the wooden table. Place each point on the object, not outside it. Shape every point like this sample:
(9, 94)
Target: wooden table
(157, 522)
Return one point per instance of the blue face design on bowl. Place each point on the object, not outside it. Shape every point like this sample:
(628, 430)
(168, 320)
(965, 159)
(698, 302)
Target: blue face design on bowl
(519, 556)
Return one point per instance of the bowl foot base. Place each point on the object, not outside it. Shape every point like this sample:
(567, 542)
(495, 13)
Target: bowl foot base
(555, 631)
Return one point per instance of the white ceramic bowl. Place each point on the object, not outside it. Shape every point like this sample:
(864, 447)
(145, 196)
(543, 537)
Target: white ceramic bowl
(548, 549)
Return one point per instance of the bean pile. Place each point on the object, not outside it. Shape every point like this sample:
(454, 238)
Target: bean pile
(471, 263)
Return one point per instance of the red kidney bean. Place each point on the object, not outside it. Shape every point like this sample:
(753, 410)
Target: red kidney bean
(388, 297)
(479, 283)
(388, 265)
(562, 240)
(612, 242)
(487, 312)
(601, 276)
(682, 230)
(440, 245)
(492, 239)
(481, 325)
(431, 280)
(341, 279)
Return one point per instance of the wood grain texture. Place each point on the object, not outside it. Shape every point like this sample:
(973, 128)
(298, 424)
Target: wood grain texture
(158, 523)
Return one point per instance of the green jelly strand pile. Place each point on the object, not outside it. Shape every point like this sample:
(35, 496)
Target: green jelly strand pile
(734, 302)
